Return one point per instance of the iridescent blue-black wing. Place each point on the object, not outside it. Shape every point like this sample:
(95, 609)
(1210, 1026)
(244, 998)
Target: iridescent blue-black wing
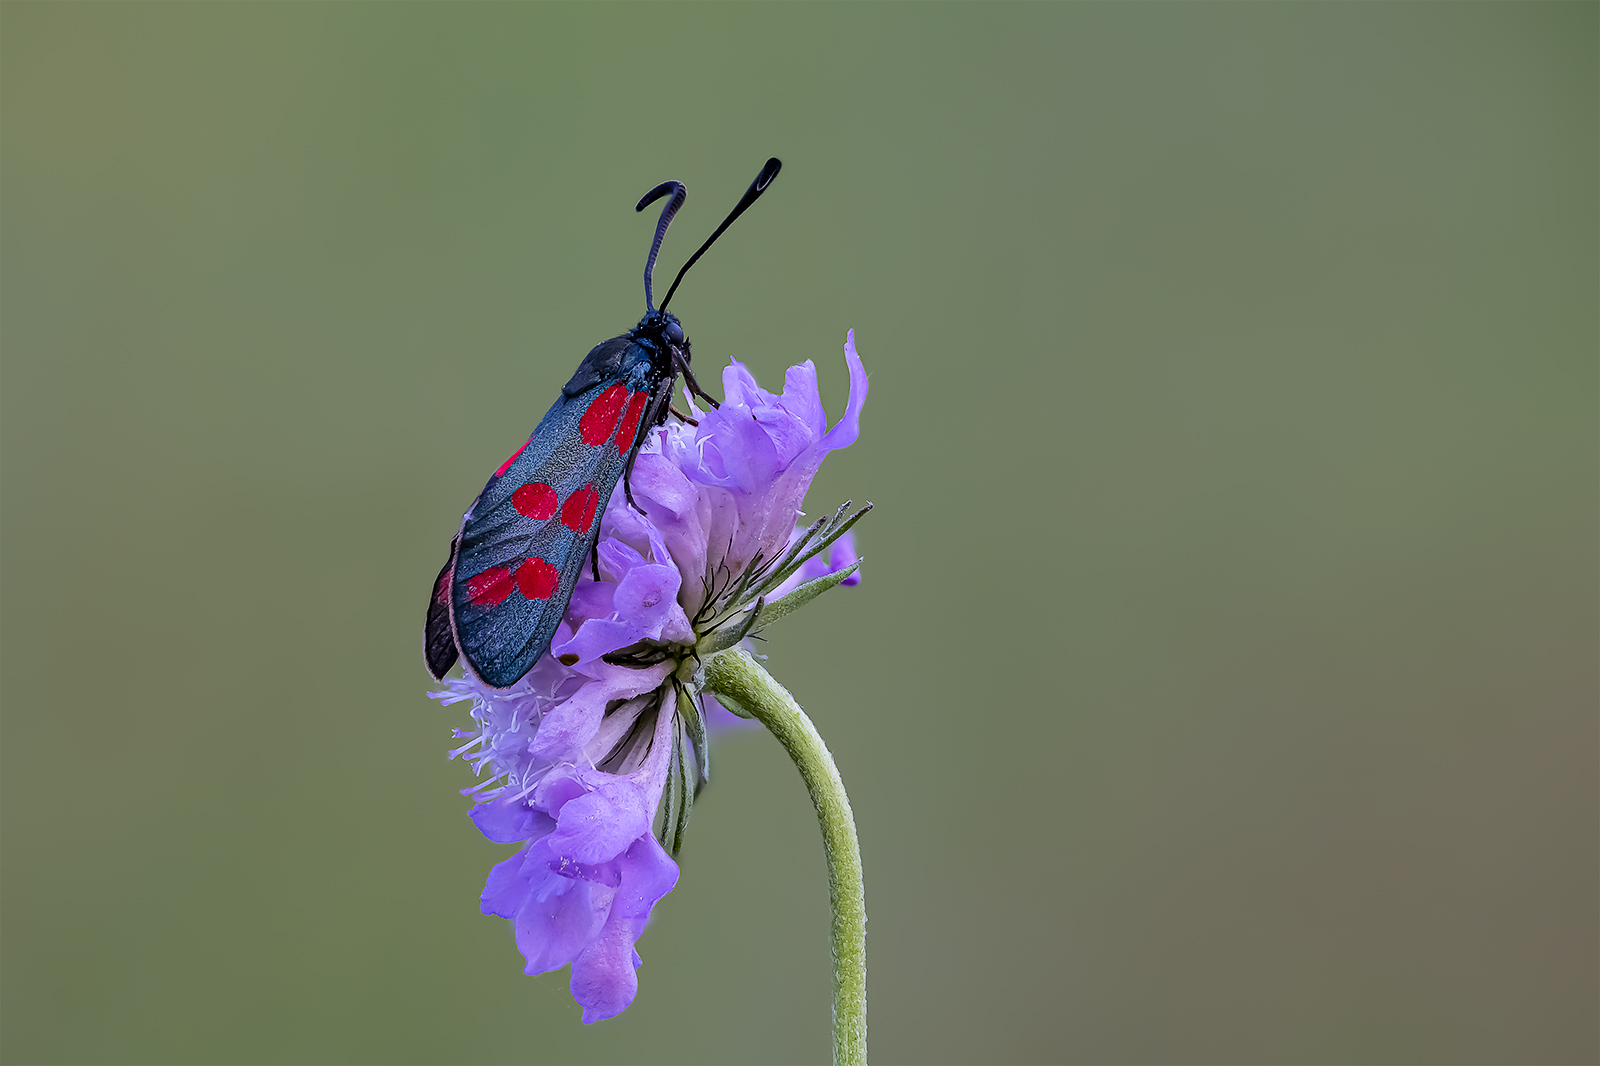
(526, 539)
(438, 641)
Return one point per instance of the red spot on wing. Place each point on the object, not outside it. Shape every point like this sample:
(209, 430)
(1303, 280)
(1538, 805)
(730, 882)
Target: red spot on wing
(535, 499)
(490, 587)
(577, 514)
(537, 579)
(630, 422)
(600, 420)
(441, 592)
(507, 464)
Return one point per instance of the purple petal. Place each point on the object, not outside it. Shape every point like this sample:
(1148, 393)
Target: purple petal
(559, 918)
(509, 821)
(644, 605)
(841, 555)
(571, 723)
(590, 599)
(558, 788)
(648, 873)
(605, 874)
(656, 478)
(619, 722)
(507, 888)
(848, 428)
(652, 776)
(789, 435)
(746, 457)
(672, 500)
(739, 387)
(595, 639)
(618, 558)
(648, 597)
(599, 825)
(802, 399)
(603, 978)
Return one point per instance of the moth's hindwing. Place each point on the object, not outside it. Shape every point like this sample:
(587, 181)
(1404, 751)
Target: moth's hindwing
(527, 538)
(438, 642)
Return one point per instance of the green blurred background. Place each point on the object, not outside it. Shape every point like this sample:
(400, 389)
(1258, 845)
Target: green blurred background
(1222, 686)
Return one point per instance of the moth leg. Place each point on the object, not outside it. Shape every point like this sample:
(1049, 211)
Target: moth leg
(655, 415)
(627, 480)
(594, 559)
(681, 416)
(694, 386)
(627, 487)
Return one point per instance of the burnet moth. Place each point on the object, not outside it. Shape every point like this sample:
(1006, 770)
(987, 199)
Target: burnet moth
(525, 539)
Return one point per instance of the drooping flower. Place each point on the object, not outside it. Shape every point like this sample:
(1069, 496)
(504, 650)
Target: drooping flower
(591, 762)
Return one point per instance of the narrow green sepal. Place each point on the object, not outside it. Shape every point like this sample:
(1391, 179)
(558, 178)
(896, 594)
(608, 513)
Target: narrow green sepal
(814, 541)
(685, 793)
(796, 598)
(669, 804)
(694, 723)
(722, 638)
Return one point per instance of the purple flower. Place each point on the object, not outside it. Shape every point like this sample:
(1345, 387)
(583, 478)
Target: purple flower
(591, 762)
(726, 493)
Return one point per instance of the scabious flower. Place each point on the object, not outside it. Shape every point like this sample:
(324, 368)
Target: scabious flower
(604, 739)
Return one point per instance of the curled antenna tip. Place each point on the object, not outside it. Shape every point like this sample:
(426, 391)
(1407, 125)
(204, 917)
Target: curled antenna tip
(657, 193)
(679, 193)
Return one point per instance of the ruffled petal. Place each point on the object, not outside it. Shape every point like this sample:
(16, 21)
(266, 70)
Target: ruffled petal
(507, 887)
(590, 599)
(603, 978)
(848, 427)
(556, 789)
(648, 597)
(559, 918)
(600, 824)
(570, 724)
(802, 399)
(594, 640)
(507, 821)
(739, 387)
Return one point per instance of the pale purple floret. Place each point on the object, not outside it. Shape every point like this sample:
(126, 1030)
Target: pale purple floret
(574, 758)
(729, 490)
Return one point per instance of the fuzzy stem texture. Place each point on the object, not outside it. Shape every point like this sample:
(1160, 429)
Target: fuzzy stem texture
(734, 677)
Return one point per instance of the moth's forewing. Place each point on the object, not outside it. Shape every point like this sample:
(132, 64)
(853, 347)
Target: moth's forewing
(524, 543)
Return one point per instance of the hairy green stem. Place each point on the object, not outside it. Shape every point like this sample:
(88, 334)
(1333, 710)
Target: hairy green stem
(735, 678)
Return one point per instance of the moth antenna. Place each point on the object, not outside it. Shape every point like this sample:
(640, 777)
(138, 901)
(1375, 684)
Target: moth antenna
(757, 187)
(679, 194)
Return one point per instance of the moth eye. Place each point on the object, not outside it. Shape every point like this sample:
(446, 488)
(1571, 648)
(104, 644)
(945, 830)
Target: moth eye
(674, 333)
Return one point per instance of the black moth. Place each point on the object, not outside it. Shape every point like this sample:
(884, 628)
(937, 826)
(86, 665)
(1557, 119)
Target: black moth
(523, 542)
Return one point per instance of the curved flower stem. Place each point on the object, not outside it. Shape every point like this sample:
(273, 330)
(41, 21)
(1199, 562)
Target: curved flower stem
(734, 677)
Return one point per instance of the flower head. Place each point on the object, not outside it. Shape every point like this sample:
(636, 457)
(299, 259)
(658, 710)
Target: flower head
(604, 739)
